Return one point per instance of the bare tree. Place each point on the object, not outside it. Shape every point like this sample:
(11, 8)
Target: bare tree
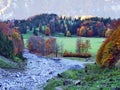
(61, 48)
(57, 48)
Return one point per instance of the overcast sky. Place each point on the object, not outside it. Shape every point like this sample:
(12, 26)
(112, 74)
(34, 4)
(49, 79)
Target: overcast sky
(24, 8)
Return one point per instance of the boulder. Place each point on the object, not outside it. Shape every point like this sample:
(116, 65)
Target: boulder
(77, 82)
(67, 82)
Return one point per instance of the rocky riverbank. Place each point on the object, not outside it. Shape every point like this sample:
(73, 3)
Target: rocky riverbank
(37, 71)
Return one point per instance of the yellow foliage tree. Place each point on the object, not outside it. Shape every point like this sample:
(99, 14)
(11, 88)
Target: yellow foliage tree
(47, 32)
(68, 34)
(108, 32)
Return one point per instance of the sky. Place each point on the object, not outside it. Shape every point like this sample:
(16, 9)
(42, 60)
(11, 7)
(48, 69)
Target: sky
(22, 9)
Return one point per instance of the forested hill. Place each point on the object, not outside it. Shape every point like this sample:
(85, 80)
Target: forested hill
(50, 24)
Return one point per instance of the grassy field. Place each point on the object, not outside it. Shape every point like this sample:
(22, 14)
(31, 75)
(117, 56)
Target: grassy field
(69, 43)
(91, 78)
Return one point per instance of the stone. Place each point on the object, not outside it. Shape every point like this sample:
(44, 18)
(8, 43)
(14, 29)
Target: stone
(116, 88)
(78, 82)
(5, 88)
(59, 75)
(67, 82)
(56, 59)
(17, 75)
(0, 84)
(51, 72)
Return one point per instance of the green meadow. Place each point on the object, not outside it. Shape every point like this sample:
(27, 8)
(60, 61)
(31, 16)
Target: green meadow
(69, 43)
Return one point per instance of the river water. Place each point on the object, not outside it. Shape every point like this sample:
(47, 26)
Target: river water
(37, 71)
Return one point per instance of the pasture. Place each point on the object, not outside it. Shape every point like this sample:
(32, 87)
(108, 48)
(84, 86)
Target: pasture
(69, 43)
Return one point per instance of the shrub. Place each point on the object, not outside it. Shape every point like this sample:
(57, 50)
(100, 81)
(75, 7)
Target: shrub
(69, 54)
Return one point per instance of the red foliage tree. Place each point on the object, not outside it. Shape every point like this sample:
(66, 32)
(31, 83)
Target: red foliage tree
(90, 33)
(4, 28)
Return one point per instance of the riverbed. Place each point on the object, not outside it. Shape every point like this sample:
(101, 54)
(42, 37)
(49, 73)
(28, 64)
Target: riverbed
(36, 72)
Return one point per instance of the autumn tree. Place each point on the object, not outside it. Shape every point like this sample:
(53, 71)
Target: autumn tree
(108, 32)
(47, 31)
(82, 47)
(36, 44)
(17, 41)
(82, 31)
(77, 31)
(11, 41)
(109, 52)
(50, 45)
(90, 33)
(68, 34)
(42, 46)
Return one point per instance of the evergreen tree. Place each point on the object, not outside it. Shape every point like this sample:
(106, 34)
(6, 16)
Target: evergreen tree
(6, 47)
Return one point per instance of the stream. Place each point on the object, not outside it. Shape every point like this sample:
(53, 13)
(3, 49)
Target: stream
(36, 73)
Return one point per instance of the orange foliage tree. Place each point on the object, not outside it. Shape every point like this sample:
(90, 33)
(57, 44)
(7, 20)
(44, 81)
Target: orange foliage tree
(109, 52)
(50, 45)
(82, 31)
